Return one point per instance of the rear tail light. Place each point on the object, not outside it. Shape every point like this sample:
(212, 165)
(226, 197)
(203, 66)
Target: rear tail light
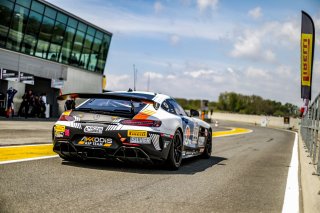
(141, 122)
(66, 118)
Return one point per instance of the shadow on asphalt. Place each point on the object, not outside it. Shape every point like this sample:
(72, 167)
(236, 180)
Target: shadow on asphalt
(189, 166)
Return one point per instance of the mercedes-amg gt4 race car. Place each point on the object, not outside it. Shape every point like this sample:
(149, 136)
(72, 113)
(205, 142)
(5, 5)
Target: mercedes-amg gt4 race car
(130, 126)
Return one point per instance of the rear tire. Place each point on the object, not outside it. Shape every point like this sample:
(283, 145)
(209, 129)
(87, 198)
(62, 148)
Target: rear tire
(208, 148)
(175, 154)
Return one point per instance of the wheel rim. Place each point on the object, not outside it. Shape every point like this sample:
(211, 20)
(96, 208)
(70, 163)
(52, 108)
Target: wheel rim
(177, 149)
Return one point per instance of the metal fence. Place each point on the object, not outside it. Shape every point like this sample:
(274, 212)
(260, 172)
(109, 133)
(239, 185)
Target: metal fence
(310, 133)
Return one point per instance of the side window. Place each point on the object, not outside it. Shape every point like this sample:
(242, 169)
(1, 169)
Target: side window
(179, 110)
(168, 107)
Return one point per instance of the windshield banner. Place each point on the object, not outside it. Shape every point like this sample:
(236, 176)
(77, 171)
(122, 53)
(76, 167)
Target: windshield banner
(307, 49)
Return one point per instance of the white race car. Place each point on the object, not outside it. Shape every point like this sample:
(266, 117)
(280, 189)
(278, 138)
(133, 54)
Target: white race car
(130, 126)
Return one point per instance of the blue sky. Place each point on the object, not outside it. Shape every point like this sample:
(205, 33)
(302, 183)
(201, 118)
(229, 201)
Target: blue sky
(200, 48)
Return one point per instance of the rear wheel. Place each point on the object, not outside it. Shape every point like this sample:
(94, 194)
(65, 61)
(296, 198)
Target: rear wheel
(175, 153)
(208, 148)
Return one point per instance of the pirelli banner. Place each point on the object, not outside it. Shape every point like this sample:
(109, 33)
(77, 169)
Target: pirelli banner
(307, 49)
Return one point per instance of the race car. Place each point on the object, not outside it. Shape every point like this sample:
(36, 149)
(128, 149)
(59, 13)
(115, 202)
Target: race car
(130, 125)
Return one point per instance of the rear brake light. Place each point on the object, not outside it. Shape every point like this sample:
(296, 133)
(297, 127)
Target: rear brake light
(141, 122)
(66, 118)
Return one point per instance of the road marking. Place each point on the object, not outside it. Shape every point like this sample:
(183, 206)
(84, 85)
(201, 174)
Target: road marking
(232, 131)
(291, 198)
(28, 159)
(25, 152)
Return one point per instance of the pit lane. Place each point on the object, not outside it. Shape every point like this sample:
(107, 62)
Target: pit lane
(246, 173)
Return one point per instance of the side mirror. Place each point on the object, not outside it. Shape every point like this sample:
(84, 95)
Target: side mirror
(194, 113)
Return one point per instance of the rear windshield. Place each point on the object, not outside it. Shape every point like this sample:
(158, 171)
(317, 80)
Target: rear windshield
(112, 105)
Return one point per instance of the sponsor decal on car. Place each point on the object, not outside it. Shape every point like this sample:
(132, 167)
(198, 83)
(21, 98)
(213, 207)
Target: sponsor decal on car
(95, 141)
(58, 134)
(67, 132)
(137, 133)
(187, 135)
(195, 133)
(67, 112)
(59, 128)
(201, 141)
(140, 140)
(59, 131)
(166, 143)
(93, 129)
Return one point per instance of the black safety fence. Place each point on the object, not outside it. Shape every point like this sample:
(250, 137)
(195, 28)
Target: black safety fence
(310, 133)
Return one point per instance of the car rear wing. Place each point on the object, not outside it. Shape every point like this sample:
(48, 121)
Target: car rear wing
(105, 96)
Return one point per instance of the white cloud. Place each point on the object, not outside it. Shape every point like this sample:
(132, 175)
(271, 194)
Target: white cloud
(174, 39)
(152, 75)
(205, 4)
(290, 30)
(119, 82)
(199, 73)
(284, 70)
(171, 77)
(256, 73)
(247, 46)
(260, 43)
(269, 55)
(158, 7)
(255, 13)
(230, 70)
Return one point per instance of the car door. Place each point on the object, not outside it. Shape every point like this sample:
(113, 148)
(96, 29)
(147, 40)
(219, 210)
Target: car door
(190, 127)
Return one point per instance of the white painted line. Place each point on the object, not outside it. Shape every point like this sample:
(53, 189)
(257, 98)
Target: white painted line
(28, 159)
(291, 198)
(15, 146)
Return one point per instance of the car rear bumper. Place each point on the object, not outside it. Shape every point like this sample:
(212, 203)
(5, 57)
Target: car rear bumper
(122, 153)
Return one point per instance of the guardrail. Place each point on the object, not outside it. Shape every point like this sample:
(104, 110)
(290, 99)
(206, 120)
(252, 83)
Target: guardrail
(310, 133)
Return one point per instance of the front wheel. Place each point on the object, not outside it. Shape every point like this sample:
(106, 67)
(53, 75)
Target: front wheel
(175, 153)
(208, 148)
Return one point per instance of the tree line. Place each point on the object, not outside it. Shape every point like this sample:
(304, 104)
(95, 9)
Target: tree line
(243, 104)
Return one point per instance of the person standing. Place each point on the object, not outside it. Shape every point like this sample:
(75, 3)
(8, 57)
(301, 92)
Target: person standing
(69, 104)
(10, 107)
(43, 102)
(26, 101)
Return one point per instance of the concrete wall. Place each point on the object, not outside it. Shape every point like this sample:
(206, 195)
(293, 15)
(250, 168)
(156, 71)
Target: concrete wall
(80, 81)
(36, 66)
(256, 119)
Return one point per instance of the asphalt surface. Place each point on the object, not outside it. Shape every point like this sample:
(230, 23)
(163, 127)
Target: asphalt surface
(246, 173)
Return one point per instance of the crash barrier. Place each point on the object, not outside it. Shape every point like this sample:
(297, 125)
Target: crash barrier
(260, 120)
(310, 133)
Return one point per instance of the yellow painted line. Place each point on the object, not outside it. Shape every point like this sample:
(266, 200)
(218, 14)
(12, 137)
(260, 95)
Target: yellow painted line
(232, 131)
(15, 153)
